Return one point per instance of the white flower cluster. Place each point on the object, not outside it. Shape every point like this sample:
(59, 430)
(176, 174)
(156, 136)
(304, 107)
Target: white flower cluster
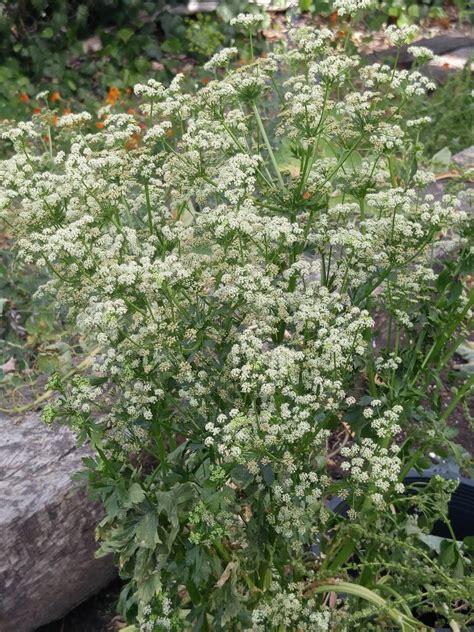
(401, 35)
(375, 470)
(247, 21)
(69, 120)
(310, 43)
(421, 54)
(287, 610)
(350, 7)
(222, 58)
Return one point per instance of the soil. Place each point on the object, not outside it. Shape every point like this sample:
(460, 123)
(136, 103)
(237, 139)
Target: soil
(98, 614)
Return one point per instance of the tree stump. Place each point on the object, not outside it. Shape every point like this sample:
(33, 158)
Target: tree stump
(47, 526)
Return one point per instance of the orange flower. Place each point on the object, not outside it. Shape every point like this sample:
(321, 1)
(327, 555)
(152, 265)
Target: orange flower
(112, 95)
(205, 81)
(55, 96)
(100, 124)
(306, 195)
(24, 98)
(54, 120)
(131, 111)
(37, 111)
(67, 111)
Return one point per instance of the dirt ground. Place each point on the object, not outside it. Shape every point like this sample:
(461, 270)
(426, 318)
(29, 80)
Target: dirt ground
(98, 614)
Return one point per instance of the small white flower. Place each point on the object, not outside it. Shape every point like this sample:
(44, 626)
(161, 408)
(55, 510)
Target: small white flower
(350, 7)
(222, 58)
(70, 120)
(401, 35)
(421, 54)
(247, 21)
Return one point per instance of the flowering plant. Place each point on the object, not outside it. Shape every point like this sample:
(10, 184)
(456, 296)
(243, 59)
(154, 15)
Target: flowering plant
(272, 296)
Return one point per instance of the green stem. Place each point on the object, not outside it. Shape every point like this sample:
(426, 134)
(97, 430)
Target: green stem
(468, 384)
(407, 623)
(148, 208)
(268, 145)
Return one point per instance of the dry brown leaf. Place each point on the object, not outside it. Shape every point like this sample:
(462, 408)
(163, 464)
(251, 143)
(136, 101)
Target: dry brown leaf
(226, 574)
(9, 366)
(447, 174)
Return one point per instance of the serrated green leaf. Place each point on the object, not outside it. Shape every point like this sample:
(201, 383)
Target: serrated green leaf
(136, 494)
(147, 531)
(125, 34)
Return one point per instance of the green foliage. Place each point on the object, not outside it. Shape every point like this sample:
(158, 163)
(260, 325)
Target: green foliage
(451, 109)
(81, 48)
(203, 35)
(34, 340)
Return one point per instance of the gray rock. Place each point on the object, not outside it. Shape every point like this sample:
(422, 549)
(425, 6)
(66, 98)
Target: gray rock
(455, 60)
(465, 158)
(47, 526)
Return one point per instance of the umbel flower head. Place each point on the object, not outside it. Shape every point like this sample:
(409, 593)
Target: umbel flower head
(229, 266)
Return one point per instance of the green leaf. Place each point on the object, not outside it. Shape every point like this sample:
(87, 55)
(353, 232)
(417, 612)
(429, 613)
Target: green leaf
(468, 543)
(125, 34)
(393, 12)
(447, 555)
(136, 494)
(147, 531)
(432, 541)
(441, 160)
(172, 45)
(47, 33)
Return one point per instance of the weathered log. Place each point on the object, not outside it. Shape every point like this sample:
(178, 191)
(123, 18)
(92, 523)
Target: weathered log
(439, 45)
(47, 525)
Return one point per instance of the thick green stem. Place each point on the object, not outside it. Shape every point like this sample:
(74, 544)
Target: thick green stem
(407, 623)
(465, 388)
(268, 145)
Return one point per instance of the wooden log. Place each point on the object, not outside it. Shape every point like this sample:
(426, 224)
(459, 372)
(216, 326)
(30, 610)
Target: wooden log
(47, 526)
(438, 45)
